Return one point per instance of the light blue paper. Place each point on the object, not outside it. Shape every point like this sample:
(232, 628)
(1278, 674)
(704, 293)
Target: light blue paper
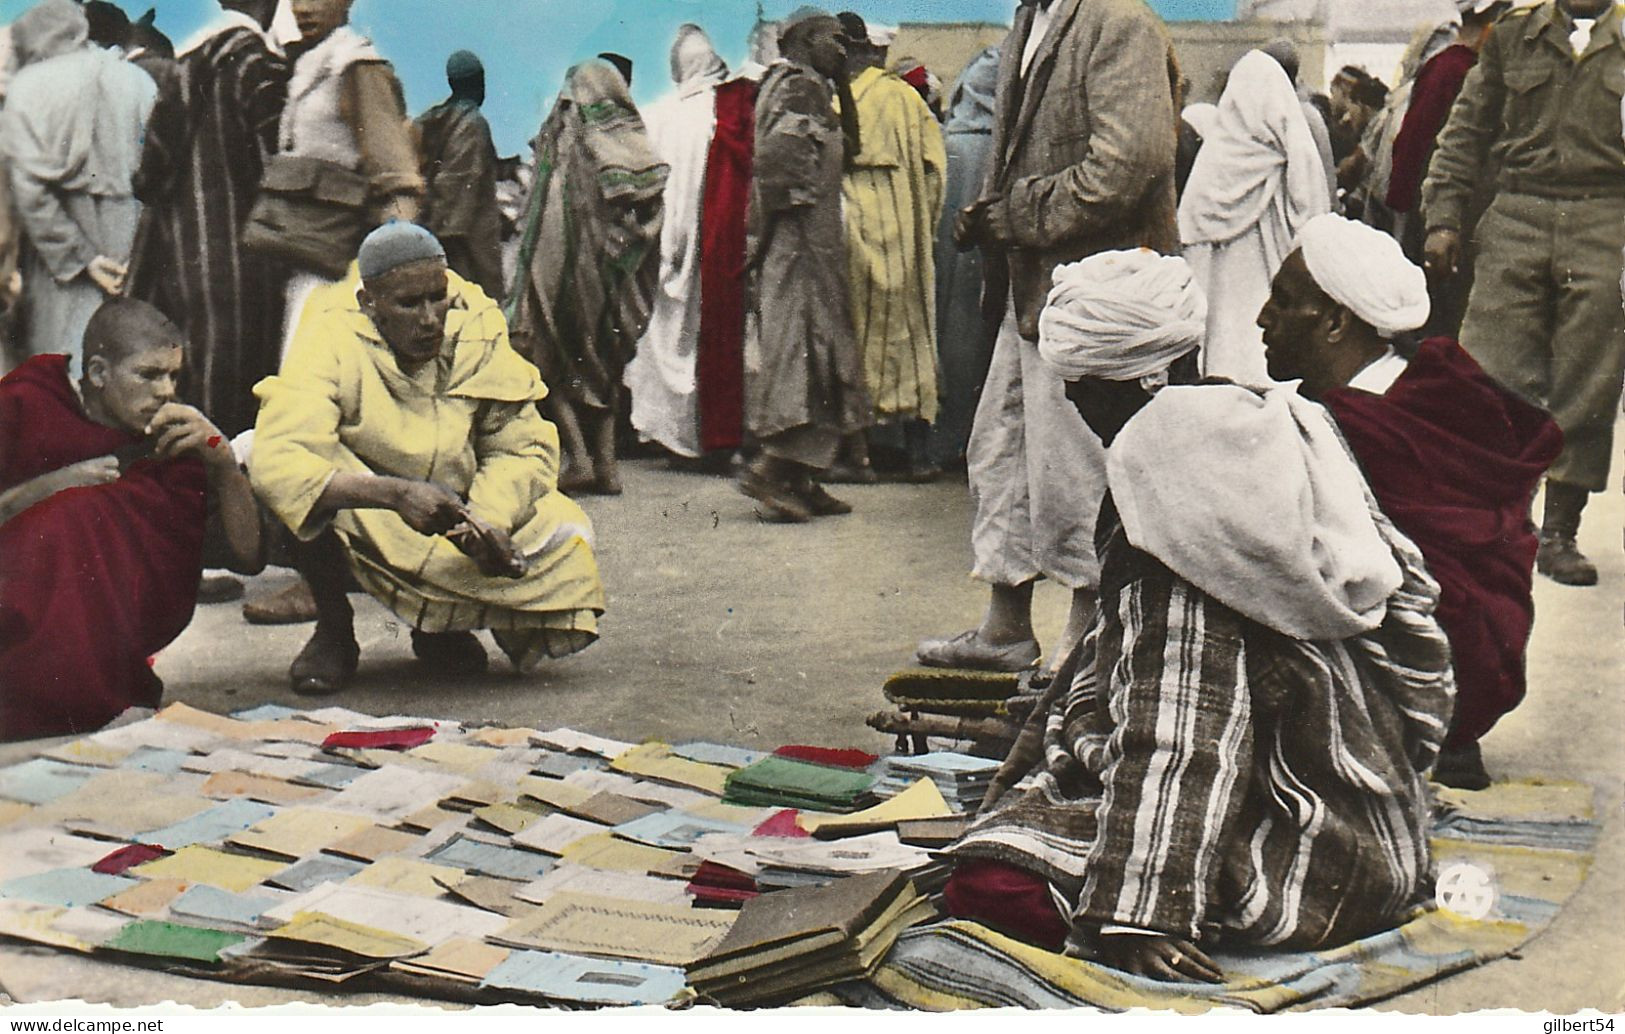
(215, 905)
(42, 780)
(492, 859)
(264, 713)
(672, 829)
(155, 759)
(332, 777)
(558, 766)
(948, 763)
(719, 754)
(575, 978)
(315, 871)
(65, 888)
(211, 826)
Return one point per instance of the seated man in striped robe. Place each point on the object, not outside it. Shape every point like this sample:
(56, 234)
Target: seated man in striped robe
(1236, 750)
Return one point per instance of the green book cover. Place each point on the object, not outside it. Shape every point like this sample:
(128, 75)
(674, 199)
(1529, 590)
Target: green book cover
(799, 780)
(174, 941)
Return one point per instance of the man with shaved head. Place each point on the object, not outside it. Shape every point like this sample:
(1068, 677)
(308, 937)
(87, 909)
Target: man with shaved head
(402, 447)
(106, 489)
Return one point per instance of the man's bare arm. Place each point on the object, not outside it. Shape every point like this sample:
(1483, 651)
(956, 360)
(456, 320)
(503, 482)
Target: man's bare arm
(103, 470)
(428, 509)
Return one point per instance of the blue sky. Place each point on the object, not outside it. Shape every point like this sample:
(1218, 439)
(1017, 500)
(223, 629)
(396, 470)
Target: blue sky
(528, 44)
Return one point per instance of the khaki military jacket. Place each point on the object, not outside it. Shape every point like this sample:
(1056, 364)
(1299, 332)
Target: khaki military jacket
(1552, 119)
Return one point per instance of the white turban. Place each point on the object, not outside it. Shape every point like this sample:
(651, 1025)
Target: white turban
(1364, 270)
(1121, 315)
(882, 35)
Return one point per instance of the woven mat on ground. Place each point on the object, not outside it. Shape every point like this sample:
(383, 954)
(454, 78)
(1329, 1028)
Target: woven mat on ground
(1512, 854)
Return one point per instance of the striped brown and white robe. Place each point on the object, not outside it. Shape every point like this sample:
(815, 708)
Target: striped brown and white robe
(1202, 774)
(201, 164)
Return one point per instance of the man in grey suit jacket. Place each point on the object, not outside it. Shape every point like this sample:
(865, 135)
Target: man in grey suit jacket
(1083, 162)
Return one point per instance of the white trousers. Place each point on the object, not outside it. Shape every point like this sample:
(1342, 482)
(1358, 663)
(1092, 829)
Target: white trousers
(1037, 473)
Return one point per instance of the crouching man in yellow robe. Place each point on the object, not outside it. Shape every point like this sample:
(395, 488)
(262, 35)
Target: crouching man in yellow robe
(402, 446)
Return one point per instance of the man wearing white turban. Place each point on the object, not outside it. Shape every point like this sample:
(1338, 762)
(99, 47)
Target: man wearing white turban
(1257, 180)
(1237, 743)
(1122, 316)
(1452, 457)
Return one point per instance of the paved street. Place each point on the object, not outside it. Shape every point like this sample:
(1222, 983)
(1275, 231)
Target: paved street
(724, 628)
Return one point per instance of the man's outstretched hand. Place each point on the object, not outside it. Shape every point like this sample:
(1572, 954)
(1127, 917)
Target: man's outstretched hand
(427, 509)
(1158, 957)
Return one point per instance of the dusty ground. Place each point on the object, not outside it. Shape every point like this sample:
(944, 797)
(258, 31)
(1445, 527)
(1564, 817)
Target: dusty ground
(724, 628)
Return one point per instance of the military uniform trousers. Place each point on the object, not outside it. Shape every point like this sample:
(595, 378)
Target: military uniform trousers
(1545, 318)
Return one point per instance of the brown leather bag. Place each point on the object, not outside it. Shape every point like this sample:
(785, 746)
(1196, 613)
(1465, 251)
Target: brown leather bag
(310, 214)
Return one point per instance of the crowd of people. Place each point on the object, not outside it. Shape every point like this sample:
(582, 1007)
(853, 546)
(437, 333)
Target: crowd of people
(1270, 385)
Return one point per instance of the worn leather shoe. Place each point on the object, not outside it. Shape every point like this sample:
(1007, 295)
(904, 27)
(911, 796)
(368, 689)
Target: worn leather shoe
(450, 653)
(1560, 560)
(326, 664)
(970, 650)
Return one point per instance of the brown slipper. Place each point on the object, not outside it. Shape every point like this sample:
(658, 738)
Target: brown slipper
(291, 606)
(780, 499)
(821, 503)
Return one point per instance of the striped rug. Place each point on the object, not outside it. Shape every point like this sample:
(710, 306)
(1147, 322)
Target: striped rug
(1509, 858)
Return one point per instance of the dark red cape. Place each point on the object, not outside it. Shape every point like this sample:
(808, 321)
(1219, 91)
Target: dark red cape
(1454, 459)
(1437, 86)
(721, 359)
(93, 581)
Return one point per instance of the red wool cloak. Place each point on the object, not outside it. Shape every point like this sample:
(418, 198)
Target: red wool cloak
(93, 581)
(721, 361)
(1454, 460)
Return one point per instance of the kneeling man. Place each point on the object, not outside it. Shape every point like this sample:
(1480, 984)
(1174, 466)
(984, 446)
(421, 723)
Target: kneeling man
(1236, 750)
(108, 491)
(1453, 458)
(401, 445)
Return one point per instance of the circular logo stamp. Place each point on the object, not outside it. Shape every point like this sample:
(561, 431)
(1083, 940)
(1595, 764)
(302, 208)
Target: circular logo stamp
(1466, 890)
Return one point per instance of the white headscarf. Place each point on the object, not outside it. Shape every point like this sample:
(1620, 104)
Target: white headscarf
(1259, 155)
(1253, 499)
(1121, 316)
(694, 61)
(1362, 268)
(1201, 117)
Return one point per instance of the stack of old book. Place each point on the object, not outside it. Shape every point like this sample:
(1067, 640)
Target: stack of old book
(790, 943)
(962, 778)
(780, 782)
